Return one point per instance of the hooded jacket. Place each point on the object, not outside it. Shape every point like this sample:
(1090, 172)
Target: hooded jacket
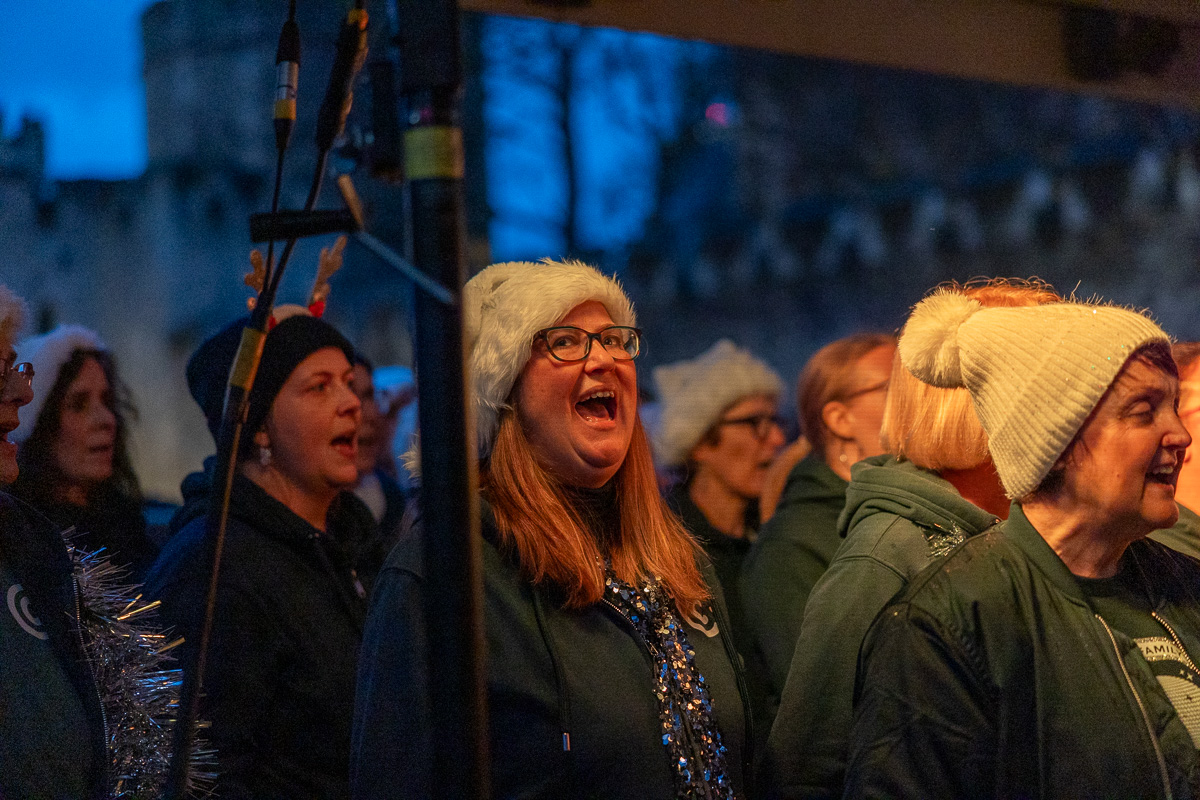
(897, 520)
(34, 552)
(279, 680)
(993, 676)
(792, 551)
(554, 676)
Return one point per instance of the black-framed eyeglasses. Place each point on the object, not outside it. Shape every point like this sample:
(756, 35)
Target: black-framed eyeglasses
(12, 374)
(761, 424)
(568, 343)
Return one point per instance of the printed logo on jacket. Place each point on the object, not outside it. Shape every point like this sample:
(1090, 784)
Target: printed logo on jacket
(704, 620)
(18, 606)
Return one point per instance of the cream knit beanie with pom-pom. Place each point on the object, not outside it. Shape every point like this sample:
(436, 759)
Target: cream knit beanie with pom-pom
(1034, 373)
(695, 392)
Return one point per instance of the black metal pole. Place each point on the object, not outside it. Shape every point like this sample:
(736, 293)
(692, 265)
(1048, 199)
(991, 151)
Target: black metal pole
(431, 82)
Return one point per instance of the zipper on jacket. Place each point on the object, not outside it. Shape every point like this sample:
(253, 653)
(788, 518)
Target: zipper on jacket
(1178, 642)
(1162, 762)
(687, 729)
(104, 767)
(625, 621)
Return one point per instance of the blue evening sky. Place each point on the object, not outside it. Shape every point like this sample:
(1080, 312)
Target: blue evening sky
(76, 65)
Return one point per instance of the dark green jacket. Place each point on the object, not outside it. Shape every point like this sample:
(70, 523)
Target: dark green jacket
(898, 518)
(727, 554)
(1184, 535)
(793, 549)
(553, 675)
(34, 551)
(991, 676)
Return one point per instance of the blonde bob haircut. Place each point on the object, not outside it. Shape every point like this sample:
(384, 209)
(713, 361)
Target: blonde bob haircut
(937, 429)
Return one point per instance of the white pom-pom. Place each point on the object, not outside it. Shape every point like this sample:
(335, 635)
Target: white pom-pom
(929, 343)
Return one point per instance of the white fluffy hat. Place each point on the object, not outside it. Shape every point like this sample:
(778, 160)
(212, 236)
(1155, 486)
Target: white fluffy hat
(505, 305)
(694, 393)
(48, 352)
(12, 317)
(1034, 373)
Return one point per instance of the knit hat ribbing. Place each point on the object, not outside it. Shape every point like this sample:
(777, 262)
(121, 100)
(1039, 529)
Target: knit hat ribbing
(48, 353)
(694, 393)
(291, 341)
(1035, 373)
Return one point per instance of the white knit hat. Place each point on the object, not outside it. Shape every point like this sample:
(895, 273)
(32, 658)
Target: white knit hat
(694, 393)
(48, 352)
(503, 307)
(12, 317)
(1034, 373)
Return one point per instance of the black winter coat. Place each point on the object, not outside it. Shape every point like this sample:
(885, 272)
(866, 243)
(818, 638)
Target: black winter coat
(279, 681)
(552, 673)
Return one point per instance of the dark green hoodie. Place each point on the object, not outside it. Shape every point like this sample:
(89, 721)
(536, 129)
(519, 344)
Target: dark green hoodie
(792, 551)
(898, 519)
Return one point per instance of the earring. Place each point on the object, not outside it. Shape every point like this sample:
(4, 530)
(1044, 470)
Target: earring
(264, 456)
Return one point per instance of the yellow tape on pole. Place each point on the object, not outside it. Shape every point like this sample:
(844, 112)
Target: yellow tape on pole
(433, 151)
(285, 109)
(248, 355)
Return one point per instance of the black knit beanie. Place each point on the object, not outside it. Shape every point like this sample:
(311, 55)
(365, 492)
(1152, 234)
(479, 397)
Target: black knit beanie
(288, 343)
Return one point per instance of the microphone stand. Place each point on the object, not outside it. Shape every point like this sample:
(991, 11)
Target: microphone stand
(431, 82)
(351, 52)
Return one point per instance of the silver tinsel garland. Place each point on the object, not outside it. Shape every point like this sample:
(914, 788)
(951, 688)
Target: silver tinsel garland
(138, 690)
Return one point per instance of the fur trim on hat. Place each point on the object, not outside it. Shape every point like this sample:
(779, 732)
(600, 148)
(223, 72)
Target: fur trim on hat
(48, 352)
(694, 393)
(503, 307)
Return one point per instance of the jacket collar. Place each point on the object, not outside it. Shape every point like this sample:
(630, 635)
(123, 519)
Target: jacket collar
(31, 547)
(1020, 531)
(812, 479)
(1156, 566)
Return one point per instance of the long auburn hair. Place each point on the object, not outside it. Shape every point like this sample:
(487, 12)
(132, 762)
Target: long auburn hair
(552, 544)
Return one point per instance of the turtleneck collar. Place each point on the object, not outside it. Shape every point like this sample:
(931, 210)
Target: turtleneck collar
(597, 508)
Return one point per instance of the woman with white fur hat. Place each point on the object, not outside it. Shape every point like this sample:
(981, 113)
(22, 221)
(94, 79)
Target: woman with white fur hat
(73, 451)
(611, 671)
(1052, 655)
(719, 427)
